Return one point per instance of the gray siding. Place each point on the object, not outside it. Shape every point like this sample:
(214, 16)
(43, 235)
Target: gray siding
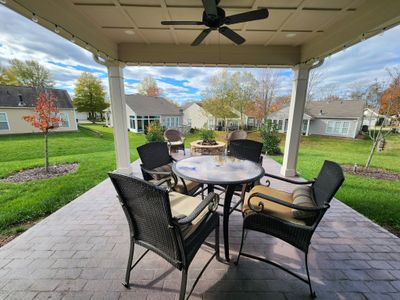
(319, 126)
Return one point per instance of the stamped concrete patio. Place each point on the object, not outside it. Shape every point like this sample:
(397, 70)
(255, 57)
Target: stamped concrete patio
(80, 252)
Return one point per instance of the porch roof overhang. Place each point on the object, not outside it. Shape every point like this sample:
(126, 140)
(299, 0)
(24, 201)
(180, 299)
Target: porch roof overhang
(297, 31)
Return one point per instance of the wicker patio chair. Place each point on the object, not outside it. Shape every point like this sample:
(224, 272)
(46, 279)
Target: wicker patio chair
(291, 217)
(157, 165)
(235, 135)
(170, 224)
(246, 149)
(249, 150)
(175, 139)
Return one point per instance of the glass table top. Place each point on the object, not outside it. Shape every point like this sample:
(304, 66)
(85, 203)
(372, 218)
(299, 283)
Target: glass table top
(218, 169)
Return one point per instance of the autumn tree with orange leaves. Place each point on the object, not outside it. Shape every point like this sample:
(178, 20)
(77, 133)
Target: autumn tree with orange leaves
(390, 100)
(45, 118)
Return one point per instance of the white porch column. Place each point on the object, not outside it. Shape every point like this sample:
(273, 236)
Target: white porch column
(295, 123)
(308, 127)
(119, 122)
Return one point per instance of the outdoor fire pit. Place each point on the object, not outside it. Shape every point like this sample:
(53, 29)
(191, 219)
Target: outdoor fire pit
(213, 148)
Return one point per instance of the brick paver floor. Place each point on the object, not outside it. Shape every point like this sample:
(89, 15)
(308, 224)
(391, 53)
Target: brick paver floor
(80, 252)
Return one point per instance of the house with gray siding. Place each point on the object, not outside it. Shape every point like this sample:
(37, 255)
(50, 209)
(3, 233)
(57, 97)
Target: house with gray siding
(342, 118)
(142, 110)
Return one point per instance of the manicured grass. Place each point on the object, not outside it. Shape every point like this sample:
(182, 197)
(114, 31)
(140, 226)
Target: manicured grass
(22, 202)
(377, 199)
(19, 203)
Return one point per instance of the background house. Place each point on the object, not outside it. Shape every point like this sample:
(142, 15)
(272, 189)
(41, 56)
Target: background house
(19, 101)
(372, 118)
(195, 116)
(334, 118)
(142, 110)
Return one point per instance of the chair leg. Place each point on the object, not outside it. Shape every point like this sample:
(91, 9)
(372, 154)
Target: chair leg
(312, 293)
(240, 249)
(183, 284)
(129, 266)
(217, 243)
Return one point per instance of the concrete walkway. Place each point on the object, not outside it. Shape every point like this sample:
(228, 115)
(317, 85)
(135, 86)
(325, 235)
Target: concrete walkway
(80, 252)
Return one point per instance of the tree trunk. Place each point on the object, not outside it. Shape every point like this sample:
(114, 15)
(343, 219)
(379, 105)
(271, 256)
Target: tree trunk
(93, 117)
(46, 151)
(371, 153)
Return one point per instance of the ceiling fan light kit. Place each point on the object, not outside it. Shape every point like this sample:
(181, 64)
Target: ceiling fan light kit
(215, 19)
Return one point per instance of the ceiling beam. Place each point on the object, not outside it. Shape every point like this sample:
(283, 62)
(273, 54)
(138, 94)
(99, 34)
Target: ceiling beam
(207, 55)
(368, 20)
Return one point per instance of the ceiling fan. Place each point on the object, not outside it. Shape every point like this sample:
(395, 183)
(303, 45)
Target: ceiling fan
(214, 18)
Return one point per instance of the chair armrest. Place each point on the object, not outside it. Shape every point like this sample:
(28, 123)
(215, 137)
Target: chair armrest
(164, 180)
(288, 180)
(170, 175)
(281, 202)
(211, 201)
(152, 172)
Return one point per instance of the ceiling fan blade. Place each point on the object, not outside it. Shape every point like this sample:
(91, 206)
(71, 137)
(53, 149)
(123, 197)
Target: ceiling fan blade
(181, 23)
(210, 6)
(201, 37)
(247, 16)
(230, 34)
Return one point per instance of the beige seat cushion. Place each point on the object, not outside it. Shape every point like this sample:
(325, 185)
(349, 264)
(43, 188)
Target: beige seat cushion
(185, 205)
(164, 168)
(271, 208)
(180, 188)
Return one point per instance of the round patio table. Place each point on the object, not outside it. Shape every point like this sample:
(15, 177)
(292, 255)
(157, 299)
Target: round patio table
(219, 170)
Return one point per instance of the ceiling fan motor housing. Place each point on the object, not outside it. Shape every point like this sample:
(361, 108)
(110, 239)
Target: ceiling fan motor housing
(212, 21)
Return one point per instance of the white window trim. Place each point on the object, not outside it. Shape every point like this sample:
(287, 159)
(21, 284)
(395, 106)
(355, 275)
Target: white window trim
(8, 122)
(66, 119)
(340, 127)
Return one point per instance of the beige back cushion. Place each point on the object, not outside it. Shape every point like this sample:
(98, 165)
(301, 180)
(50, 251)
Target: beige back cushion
(302, 196)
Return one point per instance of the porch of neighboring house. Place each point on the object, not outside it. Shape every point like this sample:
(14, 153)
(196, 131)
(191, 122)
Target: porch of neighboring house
(80, 252)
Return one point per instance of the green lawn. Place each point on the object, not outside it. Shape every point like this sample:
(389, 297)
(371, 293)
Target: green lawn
(32, 200)
(19, 203)
(377, 199)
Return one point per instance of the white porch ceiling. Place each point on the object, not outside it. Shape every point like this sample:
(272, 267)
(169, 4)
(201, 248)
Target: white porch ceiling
(296, 30)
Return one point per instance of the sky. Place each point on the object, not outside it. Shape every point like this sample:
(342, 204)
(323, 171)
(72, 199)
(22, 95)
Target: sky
(356, 66)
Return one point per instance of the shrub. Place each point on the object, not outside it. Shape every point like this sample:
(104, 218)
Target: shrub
(154, 133)
(270, 138)
(207, 135)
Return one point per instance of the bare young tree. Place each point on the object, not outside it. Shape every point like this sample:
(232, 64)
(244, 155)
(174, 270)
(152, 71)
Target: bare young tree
(267, 84)
(387, 102)
(315, 81)
(358, 90)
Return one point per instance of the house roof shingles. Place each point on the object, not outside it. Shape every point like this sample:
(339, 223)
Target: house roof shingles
(10, 96)
(335, 109)
(146, 105)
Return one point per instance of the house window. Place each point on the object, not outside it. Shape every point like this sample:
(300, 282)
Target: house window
(189, 121)
(280, 124)
(329, 128)
(305, 124)
(345, 127)
(210, 123)
(338, 127)
(132, 122)
(4, 121)
(64, 120)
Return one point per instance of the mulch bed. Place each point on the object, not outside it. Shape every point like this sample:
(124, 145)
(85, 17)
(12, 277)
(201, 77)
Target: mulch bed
(372, 172)
(40, 173)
